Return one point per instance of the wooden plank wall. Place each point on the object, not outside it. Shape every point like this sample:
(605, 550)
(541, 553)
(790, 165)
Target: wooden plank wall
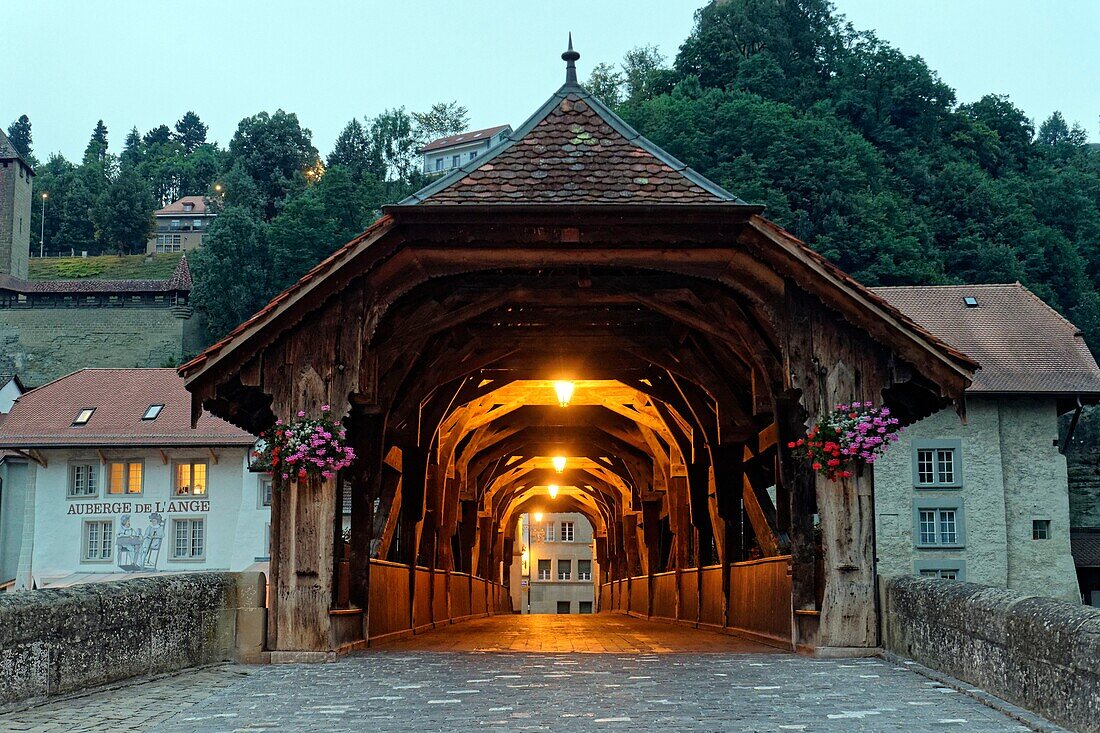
(441, 598)
(759, 604)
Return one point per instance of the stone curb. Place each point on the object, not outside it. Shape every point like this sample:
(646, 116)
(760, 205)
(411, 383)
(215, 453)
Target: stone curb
(1025, 717)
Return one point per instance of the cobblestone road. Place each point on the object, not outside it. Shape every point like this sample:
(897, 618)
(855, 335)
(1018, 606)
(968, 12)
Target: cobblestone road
(406, 689)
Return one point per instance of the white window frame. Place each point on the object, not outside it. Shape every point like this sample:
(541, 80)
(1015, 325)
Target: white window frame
(266, 491)
(107, 542)
(1045, 523)
(938, 507)
(544, 574)
(191, 522)
(548, 532)
(939, 566)
(568, 531)
(567, 574)
(94, 472)
(583, 575)
(125, 463)
(190, 462)
(937, 449)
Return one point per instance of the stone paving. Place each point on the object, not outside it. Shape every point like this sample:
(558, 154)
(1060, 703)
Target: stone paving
(416, 687)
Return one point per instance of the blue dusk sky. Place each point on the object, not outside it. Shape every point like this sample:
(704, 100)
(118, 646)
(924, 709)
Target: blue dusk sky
(146, 62)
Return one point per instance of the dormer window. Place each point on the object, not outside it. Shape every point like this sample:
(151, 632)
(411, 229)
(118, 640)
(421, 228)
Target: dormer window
(83, 416)
(153, 412)
(188, 207)
(970, 301)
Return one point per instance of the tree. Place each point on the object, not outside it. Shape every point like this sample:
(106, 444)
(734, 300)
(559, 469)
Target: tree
(353, 152)
(123, 215)
(75, 230)
(443, 119)
(393, 139)
(231, 271)
(132, 150)
(19, 132)
(190, 132)
(642, 78)
(605, 83)
(274, 150)
(96, 152)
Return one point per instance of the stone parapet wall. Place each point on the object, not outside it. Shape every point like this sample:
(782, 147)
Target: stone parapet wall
(60, 641)
(1039, 653)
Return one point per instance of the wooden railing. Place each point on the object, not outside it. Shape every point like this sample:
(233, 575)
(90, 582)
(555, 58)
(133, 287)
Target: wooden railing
(759, 602)
(440, 598)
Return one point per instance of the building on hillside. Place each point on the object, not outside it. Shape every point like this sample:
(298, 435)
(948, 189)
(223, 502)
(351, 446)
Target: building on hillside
(447, 153)
(181, 225)
(556, 571)
(49, 328)
(16, 190)
(103, 476)
(988, 500)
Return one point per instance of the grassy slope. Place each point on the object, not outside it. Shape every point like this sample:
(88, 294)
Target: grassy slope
(105, 267)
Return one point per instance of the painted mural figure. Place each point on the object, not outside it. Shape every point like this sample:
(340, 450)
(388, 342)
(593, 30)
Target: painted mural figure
(154, 536)
(129, 541)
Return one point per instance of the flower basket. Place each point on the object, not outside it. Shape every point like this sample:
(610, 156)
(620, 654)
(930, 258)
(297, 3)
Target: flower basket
(849, 434)
(300, 449)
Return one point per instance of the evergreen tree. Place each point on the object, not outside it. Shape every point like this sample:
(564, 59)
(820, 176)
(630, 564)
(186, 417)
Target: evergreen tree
(231, 271)
(353, 152)
(190, 132)
(123, 215)
(96, 152)
(132, 149)
(19, 132)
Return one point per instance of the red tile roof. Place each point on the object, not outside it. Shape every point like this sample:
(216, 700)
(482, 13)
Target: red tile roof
(43, 417)
(574, 150)
(1022, 344)
(464, 138)
(177, 207)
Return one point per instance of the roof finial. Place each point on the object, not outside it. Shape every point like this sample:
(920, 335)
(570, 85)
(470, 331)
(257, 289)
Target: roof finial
(570, 57)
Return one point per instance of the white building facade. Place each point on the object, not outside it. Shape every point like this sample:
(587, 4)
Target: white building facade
(126, 488)
(985, 498)
(454, 151)
(555, 569)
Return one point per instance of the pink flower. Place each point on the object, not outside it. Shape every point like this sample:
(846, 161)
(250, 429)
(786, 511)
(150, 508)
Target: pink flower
(325, 408)
(301, 413)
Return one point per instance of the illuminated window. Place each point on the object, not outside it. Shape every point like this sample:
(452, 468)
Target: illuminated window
(125, 477)
(190, 478)
(84, 416)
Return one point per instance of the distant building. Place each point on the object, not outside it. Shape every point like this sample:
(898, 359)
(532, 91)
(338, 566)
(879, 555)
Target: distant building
(447, 153)
(556, 571)
(104, 477)
(988, 501)
(181, 225)
(15, 210)
(11, 387)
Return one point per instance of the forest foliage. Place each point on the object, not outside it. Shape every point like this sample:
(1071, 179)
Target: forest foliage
(861, 151)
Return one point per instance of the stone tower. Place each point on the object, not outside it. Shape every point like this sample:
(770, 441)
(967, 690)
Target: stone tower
(15, 210)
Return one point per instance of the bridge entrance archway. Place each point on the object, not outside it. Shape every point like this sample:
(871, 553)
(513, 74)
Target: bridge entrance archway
(699, 339)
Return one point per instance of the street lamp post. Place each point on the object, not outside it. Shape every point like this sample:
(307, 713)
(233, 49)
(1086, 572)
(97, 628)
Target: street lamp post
(42, 230)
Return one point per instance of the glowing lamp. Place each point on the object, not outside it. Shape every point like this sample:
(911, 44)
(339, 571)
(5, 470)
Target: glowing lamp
(564, 391)
(538, 516)
(559, 463)
(553, 489)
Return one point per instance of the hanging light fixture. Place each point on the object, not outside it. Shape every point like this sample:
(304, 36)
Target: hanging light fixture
(564, 391)
(553, 489)
(559, 463)
(538, 516)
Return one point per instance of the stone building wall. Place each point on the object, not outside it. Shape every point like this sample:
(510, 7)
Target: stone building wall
(1012, 474)
(42, 344)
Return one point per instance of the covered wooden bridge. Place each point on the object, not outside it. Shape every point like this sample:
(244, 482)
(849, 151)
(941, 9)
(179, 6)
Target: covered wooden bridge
(699, 338)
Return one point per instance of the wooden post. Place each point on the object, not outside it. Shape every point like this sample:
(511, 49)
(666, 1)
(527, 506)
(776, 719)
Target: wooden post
(365, 484)
(302, 581)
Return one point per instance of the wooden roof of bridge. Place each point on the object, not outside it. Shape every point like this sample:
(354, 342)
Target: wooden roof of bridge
(576, 161)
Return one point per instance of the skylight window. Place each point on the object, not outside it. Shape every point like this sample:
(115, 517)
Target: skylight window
(970, 301)
(84, 416)
(152, 412)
